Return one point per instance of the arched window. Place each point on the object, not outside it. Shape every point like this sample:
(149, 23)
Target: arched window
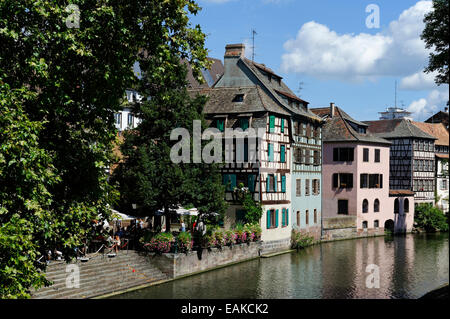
(376, 206)
(365, 206)
(396, 206)
(406, 205)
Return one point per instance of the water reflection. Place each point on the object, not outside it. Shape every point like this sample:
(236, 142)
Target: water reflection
(409, 265)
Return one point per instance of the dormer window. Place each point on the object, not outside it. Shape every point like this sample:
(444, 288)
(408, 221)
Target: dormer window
(239, 98)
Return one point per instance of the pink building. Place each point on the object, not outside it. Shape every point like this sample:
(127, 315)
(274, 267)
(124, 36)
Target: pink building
(356, 200)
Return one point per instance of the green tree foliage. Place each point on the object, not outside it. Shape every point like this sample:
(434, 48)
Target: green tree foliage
(436, 35)
(71, 79)
(253, 209)
(430, 218)
(148, 176)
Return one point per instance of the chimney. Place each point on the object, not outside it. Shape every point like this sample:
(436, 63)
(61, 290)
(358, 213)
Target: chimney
(446, 109)
(332, 109)
(235, 50)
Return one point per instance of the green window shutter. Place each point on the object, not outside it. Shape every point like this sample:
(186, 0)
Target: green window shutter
(283, 154)
(221, 125)
(268, 219)
(244, 124)
(283, 217)
(268, 183)
(251, 182)
(287, 216)
(270, 152)
(282, 125)
(283, 183)
(275, 182)
(233, 181)
(276, 218)
(271, 123)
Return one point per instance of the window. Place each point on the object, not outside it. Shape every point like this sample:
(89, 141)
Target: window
(298, 218)
(220, 124)
(365, 206)
(270, 152)
(376, 181)
(316, 158)
(420, 165)
(343, 206)
(364, 180)
(316, 186)
(239, 98)
(376, 206)
(421, 146)
(118, 118)
(272, 218)
(230, 181)
(377, 155)
(396, 206)
(130, 120)
(306, 187)
(251, 182)
(298, 187)
(444, 184)
(365, 155)
(364, 224)
(315, 216)
(271, 183)
(243, 123)
(272, 124)
(283, 183)
(376, 223)
(283, 154)
(343, 154)
(416, 165)
(342, 180)
(406, 205)
(307, 217)
(303, 126)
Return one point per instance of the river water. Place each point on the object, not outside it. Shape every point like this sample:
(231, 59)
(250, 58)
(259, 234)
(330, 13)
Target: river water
(409, 266)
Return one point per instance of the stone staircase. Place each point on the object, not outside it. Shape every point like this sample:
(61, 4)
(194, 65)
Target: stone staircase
(100, 275)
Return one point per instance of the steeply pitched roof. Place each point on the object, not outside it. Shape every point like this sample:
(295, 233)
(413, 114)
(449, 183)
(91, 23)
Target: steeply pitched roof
(210, 76)
(337, 128)
(437, 130)
(396, 128)
(221, 101)
(274, 86)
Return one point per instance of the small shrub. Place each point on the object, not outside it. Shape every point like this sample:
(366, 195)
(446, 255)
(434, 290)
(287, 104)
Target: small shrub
(301, 240)
(160, 243)
(229, 238)
(184, 242)
(253, 231)
(430, 218)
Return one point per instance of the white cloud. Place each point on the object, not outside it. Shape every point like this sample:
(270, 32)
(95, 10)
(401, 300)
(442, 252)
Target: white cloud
(425, 108)
(418, 81)
(321, 52)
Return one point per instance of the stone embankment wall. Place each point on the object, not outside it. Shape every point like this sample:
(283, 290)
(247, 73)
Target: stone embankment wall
(177, 265)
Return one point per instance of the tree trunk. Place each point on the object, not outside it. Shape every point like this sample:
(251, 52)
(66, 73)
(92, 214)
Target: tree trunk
(167, 214)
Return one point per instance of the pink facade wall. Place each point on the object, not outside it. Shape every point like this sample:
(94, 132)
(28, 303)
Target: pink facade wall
(356, 195)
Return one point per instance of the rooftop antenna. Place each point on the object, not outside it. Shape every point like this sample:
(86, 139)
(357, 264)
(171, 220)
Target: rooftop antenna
(253, 44)
(395, 93)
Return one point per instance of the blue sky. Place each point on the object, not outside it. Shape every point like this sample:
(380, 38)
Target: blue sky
(326, 45)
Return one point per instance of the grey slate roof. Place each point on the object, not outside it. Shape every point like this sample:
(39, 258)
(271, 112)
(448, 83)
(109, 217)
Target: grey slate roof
(397, 128)
(337, 128)
(273, 86)
(220, 101)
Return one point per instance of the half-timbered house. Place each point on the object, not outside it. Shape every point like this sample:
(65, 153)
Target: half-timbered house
(250, 95)
(411, 157)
